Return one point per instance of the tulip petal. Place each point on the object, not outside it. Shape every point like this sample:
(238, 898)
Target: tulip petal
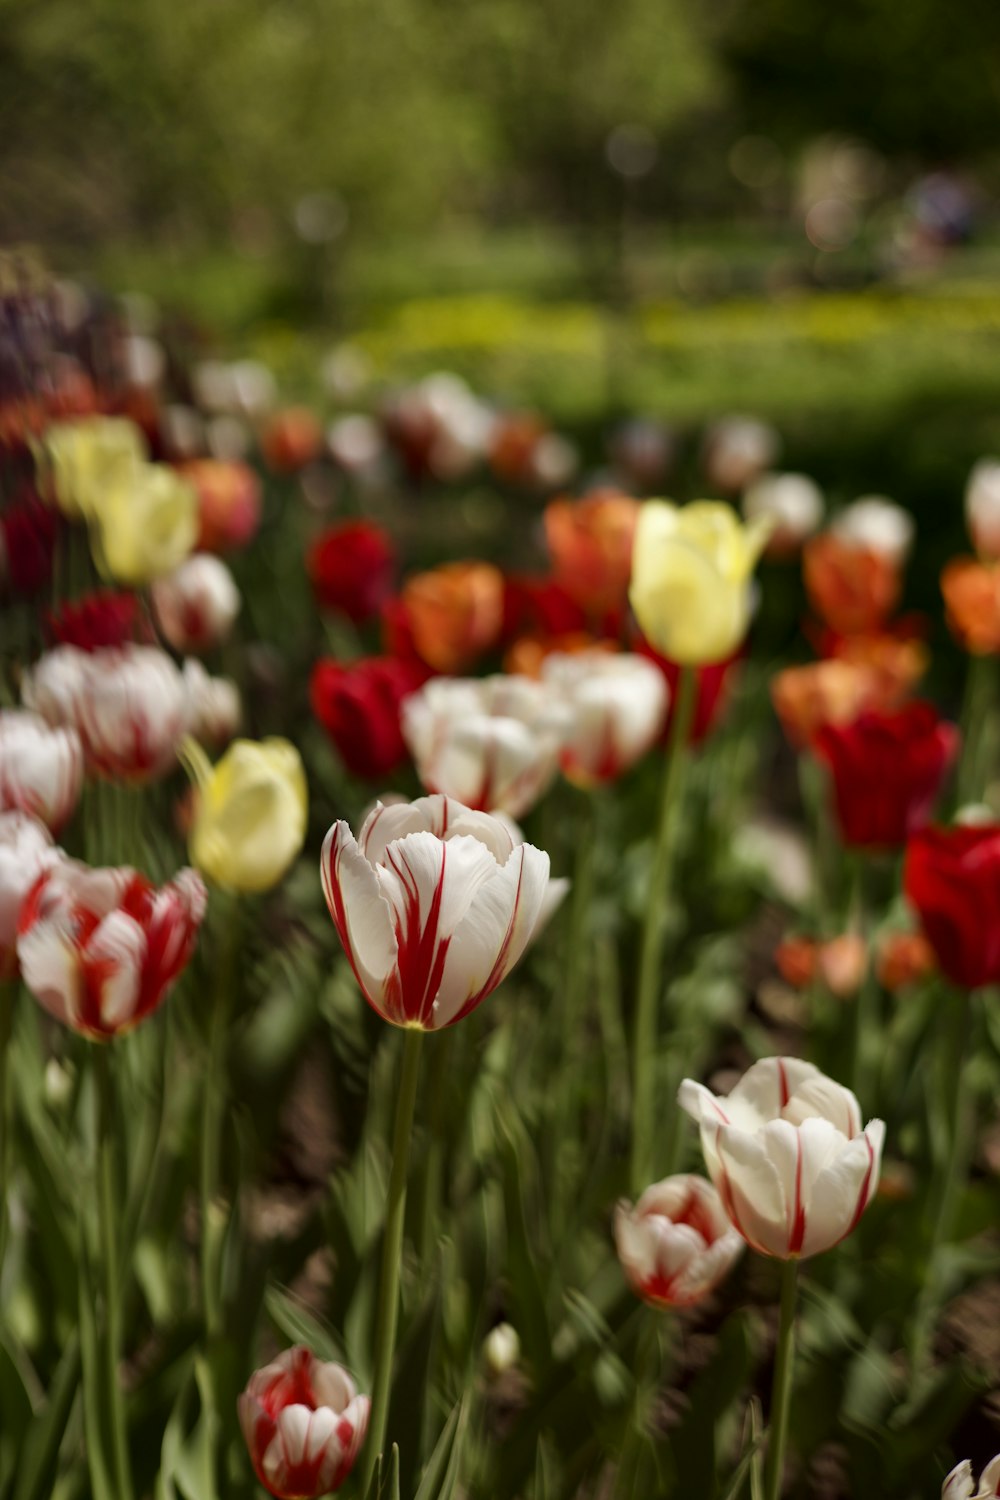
(959, 1484)
(112, 965)
(768, 1086)
(751, 1190)
(360, 912)
(843, 1189)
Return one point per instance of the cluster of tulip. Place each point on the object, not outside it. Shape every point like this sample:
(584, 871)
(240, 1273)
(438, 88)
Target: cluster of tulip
(550, 1200)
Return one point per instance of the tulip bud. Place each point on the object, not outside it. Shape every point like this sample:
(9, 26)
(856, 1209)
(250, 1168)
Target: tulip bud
(793, 503)
(83, 461)
(250, 819)
(951, 877)
(676, 1244)
(982, 507)
(146, 526)
(737, 450)
(971, 592)
(196, 604)
(303, 1423)
(501, 1349)
(877, 524)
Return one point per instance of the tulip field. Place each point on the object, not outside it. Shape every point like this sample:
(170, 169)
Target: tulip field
(498, 953)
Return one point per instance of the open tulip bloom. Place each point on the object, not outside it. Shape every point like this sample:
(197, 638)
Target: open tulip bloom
(960, 1484)
(434, 904)
(794, 1169)
(677, 1243)
(617, 704)
(304, 1423)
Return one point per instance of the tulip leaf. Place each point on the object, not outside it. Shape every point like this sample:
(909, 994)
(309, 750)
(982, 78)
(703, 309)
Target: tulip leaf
(526, 1285)
(294, 1319)
(438, 1479)
(16, 1405)
(385, 1480)
(693, 1446)
(40, 1450)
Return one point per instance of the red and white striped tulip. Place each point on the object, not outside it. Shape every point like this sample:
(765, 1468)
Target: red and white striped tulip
(41, 768)
(677, 1243)
(617, 704)
(960, 1484)
(492, 743)
(434, 904)
(100, 948)
(304, 1423)
(26, 852)
(794, 1169)
(196, 604)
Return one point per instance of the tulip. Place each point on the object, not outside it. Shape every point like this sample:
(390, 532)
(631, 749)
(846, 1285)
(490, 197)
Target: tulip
(887, 770)
(821, 693)
(196, 604)
(902, 959)
(291, 439)
(82, 462)
(100, 948)
(971, 593)
(840, 962)
(41, 768)
(787, 1153)
(982, 507)
(452, 614)
(147, 526)
(28, 530)
(792, 503)
(103, 618)
(951, 877)
(897, 660)
(526, 656)
(354, 442)
(691, 578)
(878, 525)
(491, 743)
(853, 588)
(304, 1423)
(351, 569)
(26, 852)
(540, 607)
(676, 1244)
(249, 821)
(213, 711)
(229, 502)
(358, 704)
(590, 542)
(738, 450)
(617, 711)
(434, 905)
(501, 1349)
(960, 1485)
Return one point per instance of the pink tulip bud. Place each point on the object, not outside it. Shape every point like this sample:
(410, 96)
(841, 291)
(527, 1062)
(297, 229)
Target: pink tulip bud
(304, 1423)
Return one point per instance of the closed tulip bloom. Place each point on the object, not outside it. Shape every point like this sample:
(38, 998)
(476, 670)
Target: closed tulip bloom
(303, 1422)
(434, 904)
(902, 959)
(951, 877)
(960, 1484)
(793, 503)
(41, 768)
(453, 614)
(971, 593)
(877, 524)
(358, 704)
(291, 439)
(250, 815)
(213, 711)
(676, 1244)
(351, 568)
(81, 462)
(492, 743)
(26, 852)
(229, 502)
(617, 705)
(146, 527)
(196, 604)
(738, 450)
(787, 1153)
(982, 507)
(590, 542)
(810, 697)
(853, 588)
(100, 948)
(887, 770)
(692, 570)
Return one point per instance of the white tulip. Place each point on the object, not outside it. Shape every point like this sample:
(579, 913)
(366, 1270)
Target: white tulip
(676, 1244)
(41, 767)
(960, 1485)
(197, 603)
(617, 705)
(982, 506)
(787, 1153)
(793, 503)
(214, 712)
(877, 524)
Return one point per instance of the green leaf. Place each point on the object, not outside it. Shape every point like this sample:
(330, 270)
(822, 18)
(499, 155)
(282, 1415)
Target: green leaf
(294, 1319)
(693, 1445)
(523, 1257)
(432, 1483)
(40, 1454)
(385, 1480)
(97, 1440)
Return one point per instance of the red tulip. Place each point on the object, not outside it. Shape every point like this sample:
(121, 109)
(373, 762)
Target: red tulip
(27, 543)
(357, 704)
(887, 770)
(539, 607)
(951, 876)
(351, 568)
(304, 1423)
(95, 621)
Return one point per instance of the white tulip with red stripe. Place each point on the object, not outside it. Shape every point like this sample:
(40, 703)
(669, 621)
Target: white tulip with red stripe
(676, 1244)
(303, 1422)
(960, 1484)
(197, 603)
(41, 768)
(617, 705)
(492, 743)
(26, 852)
(794, 1169)
(434, 904)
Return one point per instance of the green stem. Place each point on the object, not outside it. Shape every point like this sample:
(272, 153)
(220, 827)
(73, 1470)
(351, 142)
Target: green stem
(976, 714)
(212, 1114)
(953, 1170)
(387, 1310)
(7, 991)
(781, 1391)
(104, 1090)
(651, 950)
(866, 1014)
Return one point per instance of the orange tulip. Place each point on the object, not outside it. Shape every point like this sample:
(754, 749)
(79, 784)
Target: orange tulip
(453, 614)
(903, 958)
(808, 698)
(853, 588)
(590, 541)
(972, 604)
(897, 661)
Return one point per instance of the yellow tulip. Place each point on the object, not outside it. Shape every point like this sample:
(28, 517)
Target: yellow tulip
(250, 816)
(81, 462)
(691, 570)
(146, 526)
